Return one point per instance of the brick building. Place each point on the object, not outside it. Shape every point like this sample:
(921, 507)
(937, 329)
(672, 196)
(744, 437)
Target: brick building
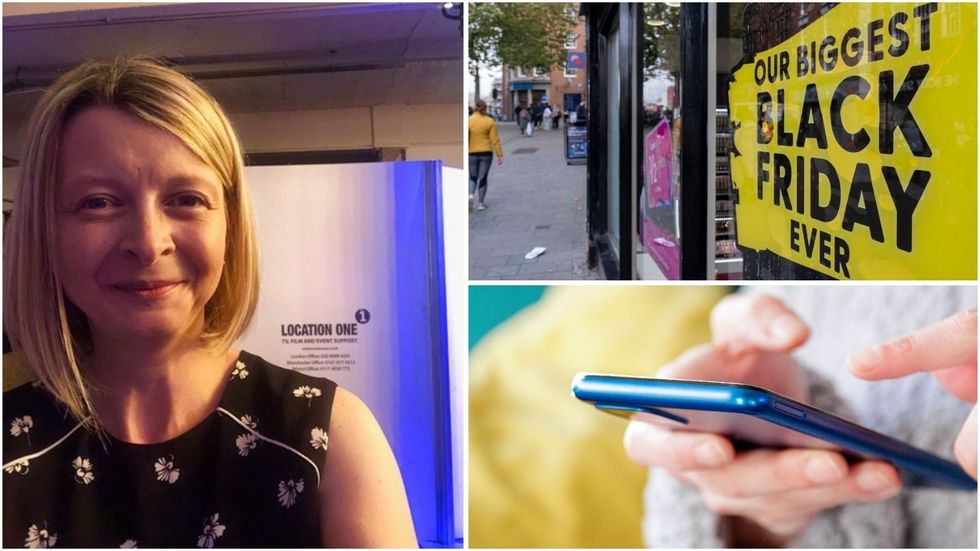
(563, 86)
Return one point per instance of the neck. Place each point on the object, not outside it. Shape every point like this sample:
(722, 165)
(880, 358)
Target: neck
(153, 392)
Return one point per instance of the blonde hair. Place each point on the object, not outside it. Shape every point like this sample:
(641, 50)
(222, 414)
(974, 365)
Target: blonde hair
(39, 318)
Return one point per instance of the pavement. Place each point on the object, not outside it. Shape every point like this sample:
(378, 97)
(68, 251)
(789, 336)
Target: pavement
(533, 200)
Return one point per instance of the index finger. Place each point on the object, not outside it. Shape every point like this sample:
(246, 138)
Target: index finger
(756, 322)
(951, 342)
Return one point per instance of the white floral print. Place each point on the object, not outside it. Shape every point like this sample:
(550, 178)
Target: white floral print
(20, 467)
(22, 425)
(308, 392)
(250, 422)
(129, 544)
(246, 443)
(212, 531)
(40, 538)
(83, 470)
(288, 492)
(166, 472)
(318, 438)
(239, 371)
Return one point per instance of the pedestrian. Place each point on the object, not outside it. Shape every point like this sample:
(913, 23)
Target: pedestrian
(483, 143)
(556, 115)
(546, 117)
(538, 110)
(523, 120)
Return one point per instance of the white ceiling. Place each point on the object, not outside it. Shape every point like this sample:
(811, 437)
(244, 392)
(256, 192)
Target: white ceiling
(252, 57)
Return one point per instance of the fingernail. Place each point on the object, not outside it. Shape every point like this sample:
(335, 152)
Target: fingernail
(710, 454)
(785, 328)
(821, 470)
(864, 360)
(873, 481)
(636, 431)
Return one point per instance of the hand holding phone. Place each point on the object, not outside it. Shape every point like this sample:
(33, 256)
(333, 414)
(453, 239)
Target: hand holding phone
(780, 491)
(948, 350)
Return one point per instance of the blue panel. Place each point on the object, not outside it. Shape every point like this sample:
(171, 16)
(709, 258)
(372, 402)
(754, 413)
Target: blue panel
(422, 443)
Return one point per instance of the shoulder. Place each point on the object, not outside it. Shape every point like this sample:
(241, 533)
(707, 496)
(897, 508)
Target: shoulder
(353, 420)
(362, 475)
(355, 432)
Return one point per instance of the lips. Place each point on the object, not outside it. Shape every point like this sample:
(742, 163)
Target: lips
(146, 289)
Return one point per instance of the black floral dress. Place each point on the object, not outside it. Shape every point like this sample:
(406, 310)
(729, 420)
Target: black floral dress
(248, 475)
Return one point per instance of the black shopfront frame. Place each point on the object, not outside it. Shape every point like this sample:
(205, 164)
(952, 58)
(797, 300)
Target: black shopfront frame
(617, 259)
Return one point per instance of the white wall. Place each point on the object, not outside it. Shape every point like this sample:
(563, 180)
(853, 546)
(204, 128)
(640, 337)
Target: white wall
(454, 215)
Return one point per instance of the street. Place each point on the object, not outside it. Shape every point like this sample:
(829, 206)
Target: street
(533, 200)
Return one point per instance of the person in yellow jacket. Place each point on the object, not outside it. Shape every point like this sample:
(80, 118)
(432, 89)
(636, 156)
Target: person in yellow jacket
(483, 143)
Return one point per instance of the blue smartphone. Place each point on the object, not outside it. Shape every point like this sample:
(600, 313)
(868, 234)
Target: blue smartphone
(760, 417)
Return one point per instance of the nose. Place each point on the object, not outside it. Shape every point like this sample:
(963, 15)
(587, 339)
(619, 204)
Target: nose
(148, 237)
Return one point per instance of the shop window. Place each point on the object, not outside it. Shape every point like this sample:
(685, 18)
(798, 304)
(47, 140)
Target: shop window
(613, 139)
(658, 237)
(919, 55)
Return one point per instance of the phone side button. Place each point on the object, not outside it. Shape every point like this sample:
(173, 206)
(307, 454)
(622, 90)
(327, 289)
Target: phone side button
(788, 409)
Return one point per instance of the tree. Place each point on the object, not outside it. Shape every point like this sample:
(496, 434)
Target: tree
(528, 35)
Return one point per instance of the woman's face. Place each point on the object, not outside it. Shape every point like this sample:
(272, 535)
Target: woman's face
(141, 226)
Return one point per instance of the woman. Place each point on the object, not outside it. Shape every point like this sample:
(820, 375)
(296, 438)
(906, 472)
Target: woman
(483, 143)
(131, 269)
(523, 118)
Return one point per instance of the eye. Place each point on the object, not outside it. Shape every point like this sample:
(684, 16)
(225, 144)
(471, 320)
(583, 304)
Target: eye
(95, 203)
(189, 200)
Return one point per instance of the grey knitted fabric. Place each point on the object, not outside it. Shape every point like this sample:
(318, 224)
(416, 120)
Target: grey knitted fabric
(845, 319)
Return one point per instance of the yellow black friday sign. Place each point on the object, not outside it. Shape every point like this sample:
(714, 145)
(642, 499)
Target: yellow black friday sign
(855, 143)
